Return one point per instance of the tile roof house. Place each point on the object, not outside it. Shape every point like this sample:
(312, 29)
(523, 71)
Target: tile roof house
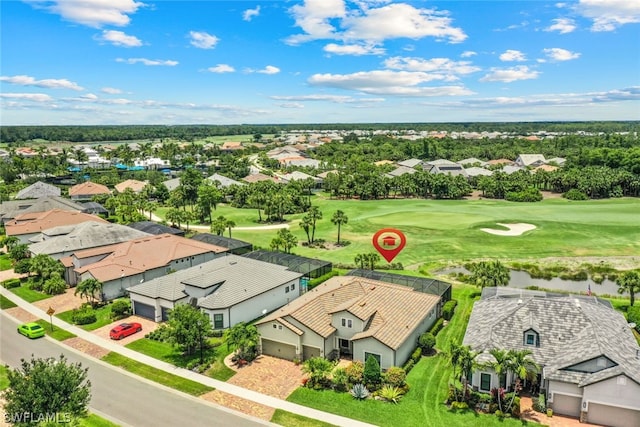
(589, 356)
(558, 161)
(223, 180)
(152, 227)
(62, 241)
(87, 190)
(495, 162)
(12, 208)
(135, 185)
(37, 190)
(172, 183)
(350, 316)
(411, 163)
(230, 289)
(476, 171)
(472, 161)
(401, 170)
(234, 246)
(530, 160)
(28, 225)
(443, 166)
(135, 261)
(257, 177)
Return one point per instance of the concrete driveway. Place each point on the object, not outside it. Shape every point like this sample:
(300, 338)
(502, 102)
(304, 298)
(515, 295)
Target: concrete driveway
(147, 326)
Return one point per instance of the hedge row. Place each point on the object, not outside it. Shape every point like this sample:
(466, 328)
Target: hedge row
(11, 283)
(448, 309)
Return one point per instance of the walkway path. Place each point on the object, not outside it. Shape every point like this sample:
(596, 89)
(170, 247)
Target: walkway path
(218, 385)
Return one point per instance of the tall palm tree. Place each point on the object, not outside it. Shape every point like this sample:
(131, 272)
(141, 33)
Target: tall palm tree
(463, 360)
(306, 223)
(629, 281)
(315, 214)
(219, 225)
(230, 225)
(360, 259)
(339, 219)
(501, 367)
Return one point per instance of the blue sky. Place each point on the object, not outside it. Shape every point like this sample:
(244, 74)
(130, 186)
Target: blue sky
(317, 61)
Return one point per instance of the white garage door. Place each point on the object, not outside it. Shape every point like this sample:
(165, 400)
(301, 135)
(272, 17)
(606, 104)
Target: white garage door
(566, 405)
(278, 349)
(611, 416)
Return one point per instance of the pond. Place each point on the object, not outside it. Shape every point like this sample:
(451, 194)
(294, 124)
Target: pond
(522, 279)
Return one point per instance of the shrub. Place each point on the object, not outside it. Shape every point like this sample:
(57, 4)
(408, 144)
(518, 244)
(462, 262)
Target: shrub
(448, 308)
(515, 409)
(359, 391)
(217, 333)
(23, 266)
(633, 316)
(395, 376)
(459, 405)
(527, 195)
(120, 308)
(437, 327)
(11, 283)
(54, 285)
(83, 316)
(34, 285)
(538, 403)
(427, 341)
(409, 365)
(390, 393)
(417, 355)
(371, 373)
(315, 282)
(340, 379)
(355, 372)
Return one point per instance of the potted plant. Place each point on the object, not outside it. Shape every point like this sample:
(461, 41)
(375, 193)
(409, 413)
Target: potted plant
(549, 412)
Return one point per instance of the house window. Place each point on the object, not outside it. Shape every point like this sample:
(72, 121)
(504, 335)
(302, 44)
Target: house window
(218, 321)
(347, 323)
(485, 382)
(531, 339)
(293, 286)
(275, 326)
(601, 363)
(375, 356)
(286, 290)
(343, 343)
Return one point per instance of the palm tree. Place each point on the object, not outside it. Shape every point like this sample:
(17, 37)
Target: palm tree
(219, 225)
(372, 259)
(523, 366)
(88, 289)
(244, 337)
(315, 214)
(463, 360)
(230, 225)
(501, 367)
(489, 273)
(306, 224)
(339, 219)
(318, 369)
(360, 259)
(629, 281)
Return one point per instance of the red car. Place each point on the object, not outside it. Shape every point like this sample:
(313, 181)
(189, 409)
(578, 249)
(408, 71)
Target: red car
(124, 330)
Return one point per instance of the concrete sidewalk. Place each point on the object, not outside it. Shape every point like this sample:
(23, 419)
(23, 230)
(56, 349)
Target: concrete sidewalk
(184, 373)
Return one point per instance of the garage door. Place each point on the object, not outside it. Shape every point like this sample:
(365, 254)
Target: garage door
(566, 405)
(278, 349)
(144, 310)
(610, 415)
(309, 352)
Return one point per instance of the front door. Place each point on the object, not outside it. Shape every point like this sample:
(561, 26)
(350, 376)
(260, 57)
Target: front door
(345, 347)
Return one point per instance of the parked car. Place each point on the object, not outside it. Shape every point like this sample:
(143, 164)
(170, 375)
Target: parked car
(31, 330)
(124, 330)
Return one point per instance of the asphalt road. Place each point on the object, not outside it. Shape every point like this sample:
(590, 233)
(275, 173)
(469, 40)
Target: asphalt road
(128, 400)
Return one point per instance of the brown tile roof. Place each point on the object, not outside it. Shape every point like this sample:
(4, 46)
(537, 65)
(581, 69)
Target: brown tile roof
(547, 168)
(258, 177)
(133, 184)
(500, 162)
(232, 145)
(391, 311)
(88, 188)
(38, 221)
(139, 255)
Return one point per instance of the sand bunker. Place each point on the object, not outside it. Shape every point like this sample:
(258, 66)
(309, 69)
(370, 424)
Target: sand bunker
(513, 229)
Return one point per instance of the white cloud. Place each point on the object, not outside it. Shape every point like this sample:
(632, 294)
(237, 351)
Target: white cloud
(119, 38)
(401, 20)
(248, 14)
(512, 55)
(388, 82)
(320, 19)
(353, 49)
(89, 96)
(149, 62)
(468, 54)
(562, 25)
(221, 68)
(269, 69)
(295, 105)
(34, 97)
(507, 75)
(443, 66)
(203, 40)
(110, 90)
(45, 83)
(558, 54)
(338, 99)
(607, 15)
(92, 13)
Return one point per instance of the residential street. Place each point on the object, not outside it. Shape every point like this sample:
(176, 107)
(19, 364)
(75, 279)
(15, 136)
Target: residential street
(127, 399)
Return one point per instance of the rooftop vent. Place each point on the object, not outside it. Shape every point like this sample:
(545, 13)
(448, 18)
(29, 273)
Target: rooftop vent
(577, 302)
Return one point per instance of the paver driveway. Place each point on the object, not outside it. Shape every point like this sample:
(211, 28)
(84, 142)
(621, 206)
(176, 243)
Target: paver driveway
(147, 326)
(269, 375)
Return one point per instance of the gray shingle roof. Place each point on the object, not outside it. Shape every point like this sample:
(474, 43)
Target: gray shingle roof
(155, 228)
(224, 181)
(239, 279)
(571, 330)
(90, 234)
(13, 208)
(37, 190)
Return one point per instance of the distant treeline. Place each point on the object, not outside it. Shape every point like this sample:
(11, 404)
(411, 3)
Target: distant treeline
(25, 134)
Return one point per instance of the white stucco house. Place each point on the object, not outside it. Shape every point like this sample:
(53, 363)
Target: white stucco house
(589, 357)
(353, 316)
(230, 289)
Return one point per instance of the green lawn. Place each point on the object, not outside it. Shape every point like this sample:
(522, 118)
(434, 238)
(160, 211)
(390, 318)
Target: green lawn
(449, 229)
(93, 420)
(57, 333)
(5, 262)
(289, 419)
(29, 295)
(424, 404)
(103, 317)
(184, 385)
(4, 380)
(6, 303)
(170, 354)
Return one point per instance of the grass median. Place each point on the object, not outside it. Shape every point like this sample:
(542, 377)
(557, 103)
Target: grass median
(157, 375)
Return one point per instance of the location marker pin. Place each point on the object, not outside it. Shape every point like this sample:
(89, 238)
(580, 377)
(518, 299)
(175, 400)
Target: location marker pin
(389, 242)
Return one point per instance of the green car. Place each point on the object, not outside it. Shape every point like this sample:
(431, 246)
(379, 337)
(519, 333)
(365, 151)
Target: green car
(31, 330)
